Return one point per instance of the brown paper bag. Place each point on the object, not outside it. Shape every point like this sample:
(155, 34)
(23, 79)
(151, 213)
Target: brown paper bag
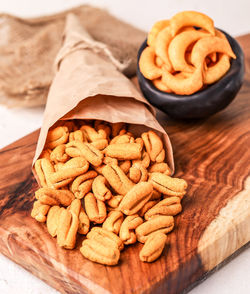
(88, 85)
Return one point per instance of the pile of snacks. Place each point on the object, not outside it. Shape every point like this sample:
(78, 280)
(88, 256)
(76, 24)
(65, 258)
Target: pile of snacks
(185, 54)
(98, 180)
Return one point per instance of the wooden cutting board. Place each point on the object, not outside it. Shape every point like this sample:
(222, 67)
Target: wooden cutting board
(212, 155)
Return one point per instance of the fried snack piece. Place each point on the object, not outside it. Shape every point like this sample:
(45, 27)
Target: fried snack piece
(138, 173)
(58, 154)
(100, 144)
(157, 27)
(77, 136)
(83, 184)
(92, 135)
(97, 252)
(147, 64)
(178, 46)
(52, 197)
(53, 219)
(56, 137)
(110, 160)
(88, 151)
(39, 211)
(161, 167)
(102, 125)
(84, 222)
(122, 139)
(191, 18)
(162, 42)
(159, 223)
(95, 208)
(185, 86)
(144, 160)
(154, 146)
(125, 165)
(153, 247)
(126, 151)
(167, 206)
(66, 174)
(135, 199)
(105, 237)
(127, 230)
(113, 221)
(147, 207)
(117, 179)
(100, 189)
(167, 185)
(44, 169)
(114, 201)
(155, 195)
(158, 83)
(116, 128)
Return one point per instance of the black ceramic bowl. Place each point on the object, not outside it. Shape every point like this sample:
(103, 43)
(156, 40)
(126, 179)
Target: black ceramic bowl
(204, 103)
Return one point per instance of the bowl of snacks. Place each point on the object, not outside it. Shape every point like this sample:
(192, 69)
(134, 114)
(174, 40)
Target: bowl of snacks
(188, 68)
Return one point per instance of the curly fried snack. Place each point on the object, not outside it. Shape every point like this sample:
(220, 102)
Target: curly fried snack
(95, 209)
(157, 27)
(114, 201)
(144, 160)
(92, 135)
(97, 252)
(113, 221)
(117, 179)
(77, 136)
(52, 197)
(191, 18)
(83, 184)
(56, 137)
(159, 223)
(127, 230)
(100, 189)
(100, 144)
(138, 173)
(154, 146)
(153, 247)
(147, 64)
(39, 211)
(44, 169)
(126, 151)
(167, 185)
(160, 85)
(161, 167)
(53, 219)
(125, 165)
(101, 125)
(122, 139)
(167, 206)
(58, 154)
(105, 237)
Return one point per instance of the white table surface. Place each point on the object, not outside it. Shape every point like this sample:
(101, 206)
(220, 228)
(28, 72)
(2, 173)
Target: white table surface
(232, 16)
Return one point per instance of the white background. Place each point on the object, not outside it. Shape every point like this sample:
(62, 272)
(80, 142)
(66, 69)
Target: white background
(231, 16)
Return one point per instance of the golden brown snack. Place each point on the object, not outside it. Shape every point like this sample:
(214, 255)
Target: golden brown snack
(157, 27)
(135, 199)
(125, 151)
(159, 223)
(100, 189)
(117, 179)
(53, 219)
(167, 206)
(127, 230)
(160, 85)
(154, 146)
(124, 165)
(84, 222)
(155, 195)
(39, 211)
(167, 185)
(110, 160)
(44, 169)
(138, 173)
(58, 154)
(56, 137)
(161, 167)
(147, 207)
(83, 184)
(117, 127)
(113, 221)
(52, 197)
(153, 247)
(122, 139)
(92, 135)
(100, 144)
(45, 154)
(77, 136)
(115, 201)
(147, 64)
(102, 125)
(95, 209)
(144, 160)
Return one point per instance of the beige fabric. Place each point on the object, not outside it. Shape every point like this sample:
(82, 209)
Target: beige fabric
(28, 48)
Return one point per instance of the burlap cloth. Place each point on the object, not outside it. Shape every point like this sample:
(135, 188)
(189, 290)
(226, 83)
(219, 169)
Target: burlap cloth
(28, 48)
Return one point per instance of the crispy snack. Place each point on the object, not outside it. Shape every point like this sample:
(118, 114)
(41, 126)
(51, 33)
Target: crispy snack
(44, 169)
(167, 206)
(135, 199)
(154, 146)
(53, 219)
(160, 85)
(161, 167)
(147, 64)
(105, 237)
(88, 151)
(57, 136)
(114, 201)
(117, 127)
(101, 125)
(138, 173)
(58, 154)
(126, 151)
(125, 165)
(39, 211)
(127, 230)
(155, 195)
(191, 18)
(153, 247)
(117, 179)
(157, 27)
(147, 207)
(66, 174)
(122, 139)
(100, 144)
(100, 188)
(92, 135)
(95, 209)
(113, 221)
(167, 185)
(52, 197)
(77, 136)
(97, 252)
(144, 160)
(83, 184)
(159, 223)
(84, 222)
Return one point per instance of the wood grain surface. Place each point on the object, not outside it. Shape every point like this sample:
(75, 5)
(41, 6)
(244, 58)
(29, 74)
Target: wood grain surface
(212, 155)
